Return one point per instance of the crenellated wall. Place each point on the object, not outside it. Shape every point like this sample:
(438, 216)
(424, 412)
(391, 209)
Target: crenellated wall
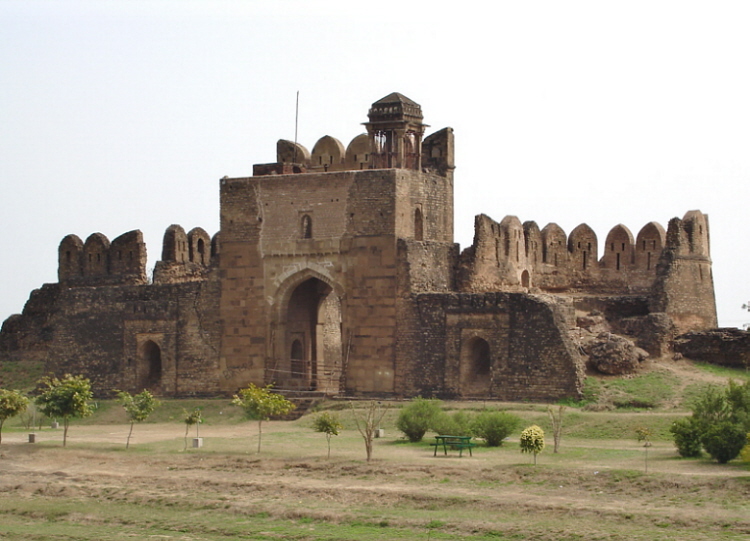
(336, 271)
(510, 256)
(99, 262)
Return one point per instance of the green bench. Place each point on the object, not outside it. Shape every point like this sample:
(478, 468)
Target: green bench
(453, 442)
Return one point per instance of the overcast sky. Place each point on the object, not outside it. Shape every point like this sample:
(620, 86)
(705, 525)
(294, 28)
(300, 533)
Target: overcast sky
(117, 116)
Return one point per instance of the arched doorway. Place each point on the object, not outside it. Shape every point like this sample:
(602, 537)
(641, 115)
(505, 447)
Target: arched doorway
(476, 367)
(312, 342)
(150, 366)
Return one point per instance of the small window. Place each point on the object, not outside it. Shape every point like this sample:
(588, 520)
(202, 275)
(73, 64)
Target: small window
(418, 225)
(306, 227)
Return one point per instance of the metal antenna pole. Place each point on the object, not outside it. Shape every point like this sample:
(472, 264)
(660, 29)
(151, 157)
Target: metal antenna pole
(296, 123)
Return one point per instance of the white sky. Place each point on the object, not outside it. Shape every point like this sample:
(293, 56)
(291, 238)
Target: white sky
(124, 115)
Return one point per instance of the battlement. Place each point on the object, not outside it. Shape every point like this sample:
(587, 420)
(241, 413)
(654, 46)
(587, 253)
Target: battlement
(97, 262)
(513, 256)
(393, 140)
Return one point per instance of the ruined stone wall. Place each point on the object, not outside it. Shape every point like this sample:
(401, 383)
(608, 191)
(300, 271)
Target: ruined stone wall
(684, 287)
(511, 256)
(99, 262)
(99, 331)
(530, 353)
(726, 347)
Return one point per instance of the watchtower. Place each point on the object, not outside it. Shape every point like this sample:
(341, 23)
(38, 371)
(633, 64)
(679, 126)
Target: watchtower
(395, 130)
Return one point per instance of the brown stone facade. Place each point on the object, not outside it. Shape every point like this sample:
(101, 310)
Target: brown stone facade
(335, 271)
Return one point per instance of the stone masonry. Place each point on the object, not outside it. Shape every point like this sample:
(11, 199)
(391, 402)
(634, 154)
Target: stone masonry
(335, 271)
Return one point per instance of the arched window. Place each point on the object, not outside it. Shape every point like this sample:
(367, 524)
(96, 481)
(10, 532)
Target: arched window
(201, 251)
(418, 225)
(525, 279)
(306, 227)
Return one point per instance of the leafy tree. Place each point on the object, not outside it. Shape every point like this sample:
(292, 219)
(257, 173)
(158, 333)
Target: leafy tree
(532, 440)
(65, 399)
(260, 403)
(328, 424)
(556, 418)
(12, 403)
(368, 422)
(415, 419)
(494, 426)
(190, 418)
(137, 407)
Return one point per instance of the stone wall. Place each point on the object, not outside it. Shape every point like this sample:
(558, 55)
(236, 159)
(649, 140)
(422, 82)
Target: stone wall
(530, 353)
(335, 270)
(726, 347)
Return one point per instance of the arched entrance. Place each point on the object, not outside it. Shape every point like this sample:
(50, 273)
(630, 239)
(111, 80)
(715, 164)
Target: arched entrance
(150, 366)
(312, 341)
(476, 367)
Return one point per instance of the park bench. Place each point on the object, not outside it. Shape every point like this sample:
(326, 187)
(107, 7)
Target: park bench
(453, 442)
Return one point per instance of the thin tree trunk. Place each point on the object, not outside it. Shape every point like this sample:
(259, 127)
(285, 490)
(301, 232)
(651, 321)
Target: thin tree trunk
(328, 438)
(65, 432)
(127, 443)
(1, 431)
(187, 429)
(260, 434)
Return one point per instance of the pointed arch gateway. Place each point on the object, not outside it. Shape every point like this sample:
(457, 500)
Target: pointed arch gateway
(308, 344)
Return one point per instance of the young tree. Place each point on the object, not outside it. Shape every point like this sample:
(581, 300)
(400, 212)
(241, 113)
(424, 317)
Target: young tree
(190, 418)
(137, 407)
(260, 404)
(556, 418)
(415, 419)
(328, 424)
(367, 422)
(65, 399)
(644, 435)
(12, 403)
(532, 440)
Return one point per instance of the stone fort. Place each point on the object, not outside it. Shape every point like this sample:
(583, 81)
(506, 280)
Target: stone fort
(336, 271)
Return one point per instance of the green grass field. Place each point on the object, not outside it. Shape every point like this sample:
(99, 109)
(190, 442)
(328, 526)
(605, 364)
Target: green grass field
(602, 485)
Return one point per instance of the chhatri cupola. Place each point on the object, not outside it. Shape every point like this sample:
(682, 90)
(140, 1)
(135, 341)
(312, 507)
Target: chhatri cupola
(395, 130)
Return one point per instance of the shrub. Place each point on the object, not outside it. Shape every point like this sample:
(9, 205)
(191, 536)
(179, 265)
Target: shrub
(720, 422)
(532, 440)
(724, 441)
(458, 424)
(494, 426)
(745, 453)
(416, 418)
(687, 437)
